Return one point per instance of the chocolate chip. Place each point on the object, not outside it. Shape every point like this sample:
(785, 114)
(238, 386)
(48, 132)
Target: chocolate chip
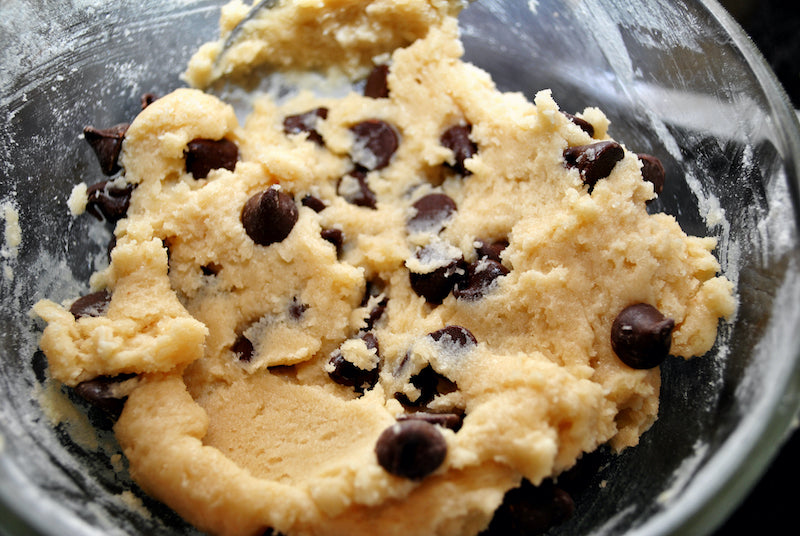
(354, 188)
(243, 349)
(335, 237)
(447, 420)
(457, 335)
(314, 203)
(106, 200)
(491, 250)
(306, 122)
(411, 449)
(563, 506)
(452, 340)
(148, 99)
(641, 336)
(269, 216)
(531, 510)
(111, 245)
(480, 276)
(653, 171)
(374, 143)
(346, 373)
(372, 289)
(94, 304)
(203, 155)
(584, 125)
(107, 144)
(297, 309)
(210, 269)
(430, 384)
(39, 365)
(594, 161)
(371, 341)
(101, 393)
(587, 471)
(435, 285)
(456, 138)
(377, 87)
(432, 211)
(377, 311)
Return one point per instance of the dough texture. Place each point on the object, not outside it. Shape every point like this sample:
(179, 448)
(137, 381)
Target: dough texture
(238, 445)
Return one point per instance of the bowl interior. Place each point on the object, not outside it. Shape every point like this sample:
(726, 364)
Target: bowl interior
(678, 82)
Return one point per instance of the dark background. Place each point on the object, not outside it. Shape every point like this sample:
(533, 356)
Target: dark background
(774, 26)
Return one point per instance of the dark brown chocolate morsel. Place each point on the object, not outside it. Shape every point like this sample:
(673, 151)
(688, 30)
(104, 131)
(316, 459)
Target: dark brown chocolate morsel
(434, 286)
(269, 216)
(39, 365)
(269, 531)
(105, 200)
(641, 336)
(297, 309)
(377, 87)
(94, 304)
(432, 211)
(491, 249)
(373, 289)
(148, 99)
(587, 471)
(346, 373)
(100, 392)
(452, 421)
(584, 125)
(107, 144)
(480, 276)
(411, 449)
(335, 237)
(306, 122)
(243, 349)
(594, 161)
(210, 269)
(456, 138)
(454, 335)
(376, 313)
(203, 155)
(354, 188)
(430, 384)
(375, 141)
(531, 510)
(111, 245)
(314, 203)
(653, 171)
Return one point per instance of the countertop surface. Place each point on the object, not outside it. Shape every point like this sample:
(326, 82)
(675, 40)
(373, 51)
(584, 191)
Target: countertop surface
(774, 26)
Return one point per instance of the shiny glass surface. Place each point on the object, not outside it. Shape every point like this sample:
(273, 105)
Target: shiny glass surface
(678, 80)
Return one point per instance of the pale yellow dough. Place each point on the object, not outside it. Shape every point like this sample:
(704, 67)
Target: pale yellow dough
(237, 447)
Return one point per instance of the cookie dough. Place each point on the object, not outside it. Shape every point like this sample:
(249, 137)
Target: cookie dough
(377, 314)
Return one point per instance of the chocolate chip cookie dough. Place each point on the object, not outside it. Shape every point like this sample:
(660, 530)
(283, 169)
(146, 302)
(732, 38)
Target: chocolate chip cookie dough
(377, 314)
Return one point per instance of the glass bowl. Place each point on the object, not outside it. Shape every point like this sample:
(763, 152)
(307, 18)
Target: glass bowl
(678, 80)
